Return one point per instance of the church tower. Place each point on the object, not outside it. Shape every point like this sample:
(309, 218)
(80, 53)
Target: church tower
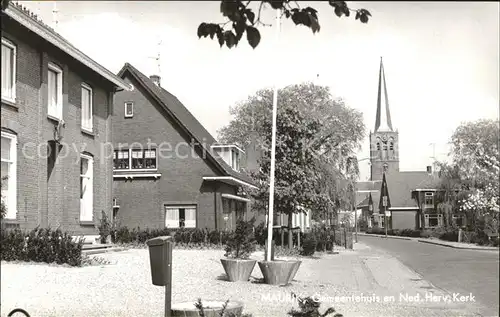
(384, 140)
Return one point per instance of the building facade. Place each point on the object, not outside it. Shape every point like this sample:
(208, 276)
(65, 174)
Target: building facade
(168, 170)
(55, 121)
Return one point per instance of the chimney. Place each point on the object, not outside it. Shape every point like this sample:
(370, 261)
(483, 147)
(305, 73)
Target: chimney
(155, 79)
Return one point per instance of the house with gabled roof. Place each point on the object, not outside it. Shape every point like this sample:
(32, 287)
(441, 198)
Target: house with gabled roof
(410, 196)
(55, 121)
(169, 171)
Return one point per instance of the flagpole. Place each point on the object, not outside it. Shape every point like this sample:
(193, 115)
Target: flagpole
(270, 222)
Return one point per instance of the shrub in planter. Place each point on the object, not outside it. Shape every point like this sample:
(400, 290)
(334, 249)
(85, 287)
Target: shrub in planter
(309, 245)
(239, 246)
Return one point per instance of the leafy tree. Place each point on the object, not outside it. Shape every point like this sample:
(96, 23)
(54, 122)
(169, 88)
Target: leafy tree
(475, 171)
(316, 139)
(241, 19)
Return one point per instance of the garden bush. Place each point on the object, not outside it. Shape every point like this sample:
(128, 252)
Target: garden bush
(241, 243)
(41, 245)
(309, 245)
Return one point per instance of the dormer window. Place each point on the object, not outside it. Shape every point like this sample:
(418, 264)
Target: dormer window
(231, 154)
(235, 163)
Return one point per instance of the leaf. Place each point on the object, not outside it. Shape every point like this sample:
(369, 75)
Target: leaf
(220, 37)
(339, 11)
(228, 7)
(363, 18)
(276, 4)
(240, 28)
(202, 30)
(253, 36)
(314, 24)
(230, 39)
(250, 15)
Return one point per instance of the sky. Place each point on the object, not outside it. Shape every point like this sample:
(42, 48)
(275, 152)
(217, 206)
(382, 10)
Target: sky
(441, 60)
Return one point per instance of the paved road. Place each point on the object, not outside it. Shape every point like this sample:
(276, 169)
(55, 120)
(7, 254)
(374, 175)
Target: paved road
(455, 270)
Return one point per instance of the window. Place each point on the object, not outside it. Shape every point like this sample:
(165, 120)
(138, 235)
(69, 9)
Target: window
(8, 71)
(135, 159)
(180, 216)
(433, 220)
(121, 160)
(391, 146)
(378, 146)
(9, 169)
(384, 145)
(429, 200)
(458, 220)
(129, 109)
(235, 160)
(381, 222)
(87, 107)
(86, 188)
(54, 87)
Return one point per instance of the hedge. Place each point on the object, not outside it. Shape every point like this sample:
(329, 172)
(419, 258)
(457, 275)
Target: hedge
(40, 245)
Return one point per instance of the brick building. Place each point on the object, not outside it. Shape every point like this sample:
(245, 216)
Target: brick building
(169, 170)
(55, 121)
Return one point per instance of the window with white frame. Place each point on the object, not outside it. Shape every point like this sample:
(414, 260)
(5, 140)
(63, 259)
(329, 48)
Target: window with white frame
(87, 107)
(9, 169)
(235, 160)
(8, 70)
(135, 159)
(180, 216)
(429, 200)
(129, 109)
(381, 222)
(54, 88)
(433, 220)
(86, 187)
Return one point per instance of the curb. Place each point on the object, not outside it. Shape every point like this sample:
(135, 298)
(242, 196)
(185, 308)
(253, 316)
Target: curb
(457, 246)
(102, 250)
(383, 236)
(428, 241)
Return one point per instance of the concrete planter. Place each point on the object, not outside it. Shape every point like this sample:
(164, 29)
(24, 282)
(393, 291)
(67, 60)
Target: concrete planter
(211, 309)
(279, 272)
(237, 269)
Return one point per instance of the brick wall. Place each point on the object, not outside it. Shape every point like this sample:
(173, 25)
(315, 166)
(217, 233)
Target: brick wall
(181, 182)
(54, 200)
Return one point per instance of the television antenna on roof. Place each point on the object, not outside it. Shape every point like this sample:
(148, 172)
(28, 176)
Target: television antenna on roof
(158, 56)
(54, 15)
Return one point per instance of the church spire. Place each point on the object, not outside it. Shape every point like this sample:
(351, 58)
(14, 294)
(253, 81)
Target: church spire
(383, 119)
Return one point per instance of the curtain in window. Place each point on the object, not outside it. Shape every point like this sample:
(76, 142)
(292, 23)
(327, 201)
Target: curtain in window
(6, 163)
(52, 92)
(190, 214)
(7, 71)
(86, 116)
(172, 217)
